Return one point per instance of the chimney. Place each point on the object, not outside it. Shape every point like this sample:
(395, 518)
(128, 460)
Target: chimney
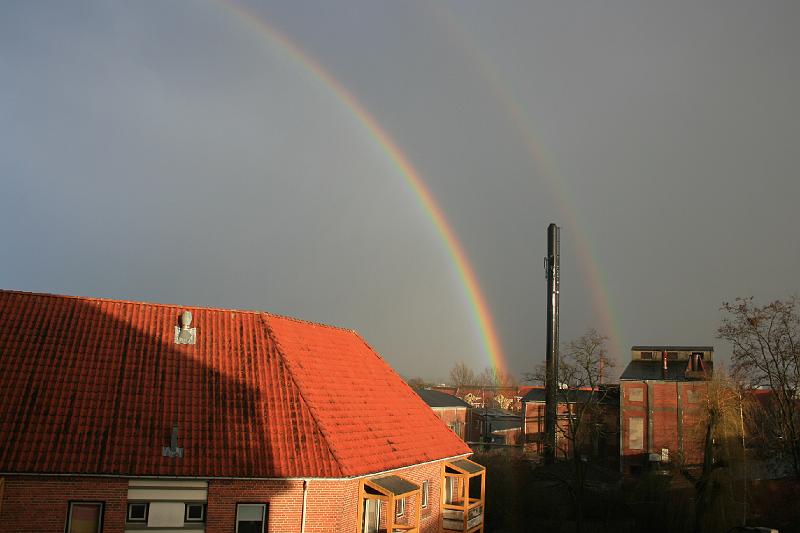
(553, 270)
(173, 450)
(185, 334)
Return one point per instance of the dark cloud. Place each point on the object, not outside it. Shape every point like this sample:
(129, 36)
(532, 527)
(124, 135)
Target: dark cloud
(174, 153)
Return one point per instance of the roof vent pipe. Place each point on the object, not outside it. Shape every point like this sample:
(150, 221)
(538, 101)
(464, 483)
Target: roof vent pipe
(172, 450)
(183, 333)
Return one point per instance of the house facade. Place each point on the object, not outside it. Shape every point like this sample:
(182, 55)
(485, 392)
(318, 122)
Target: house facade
(663, 390)
(123, 416)
(452, 410)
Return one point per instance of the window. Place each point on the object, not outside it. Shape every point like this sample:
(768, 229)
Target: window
(372, 516)
(636, 394)
(636, 433)
(137, 512)
(672, 356)
(195, 512)
(85, 517)
(450, 489)
(425, 491)
(400, 507)
(647, 355)
(251, 517)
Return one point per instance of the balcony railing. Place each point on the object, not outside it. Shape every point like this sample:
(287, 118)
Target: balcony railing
(453, 516)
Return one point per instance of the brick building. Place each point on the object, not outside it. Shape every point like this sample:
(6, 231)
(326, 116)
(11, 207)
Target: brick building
(486, 397)
(452, 410)
(599, 437)
(661, 405)
(128, 416)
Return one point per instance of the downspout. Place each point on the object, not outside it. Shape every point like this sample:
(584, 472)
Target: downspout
(303, 512)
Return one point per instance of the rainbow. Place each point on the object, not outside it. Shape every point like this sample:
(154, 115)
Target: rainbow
(480, 309)
(601, 300)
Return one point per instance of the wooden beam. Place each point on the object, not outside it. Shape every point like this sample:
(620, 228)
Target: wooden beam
(390, 512)
(361, 500)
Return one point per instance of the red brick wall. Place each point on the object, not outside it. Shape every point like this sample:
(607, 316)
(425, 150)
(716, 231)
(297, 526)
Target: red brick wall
(451, 416)
(669, 425)
(40, 505)
(607, 415)
(332, 506)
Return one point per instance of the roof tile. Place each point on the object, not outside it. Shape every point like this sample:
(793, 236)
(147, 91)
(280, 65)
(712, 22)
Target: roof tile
(94, 386)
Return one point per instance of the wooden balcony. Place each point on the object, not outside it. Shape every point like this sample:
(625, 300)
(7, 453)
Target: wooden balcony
(389, 504)
(463, 496)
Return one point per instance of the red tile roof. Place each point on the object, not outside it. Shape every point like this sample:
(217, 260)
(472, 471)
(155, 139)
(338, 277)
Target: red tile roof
(94, 386)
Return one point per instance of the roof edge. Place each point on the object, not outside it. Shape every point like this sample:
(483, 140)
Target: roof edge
(161, 304)
(144, 476)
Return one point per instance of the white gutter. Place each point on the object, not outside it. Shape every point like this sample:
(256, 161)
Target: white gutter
(209, 478)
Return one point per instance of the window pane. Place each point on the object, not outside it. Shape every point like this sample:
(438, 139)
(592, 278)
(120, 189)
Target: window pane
(85, 518)
(194, 511)
(372, 516)
(137, 511)
(250, 527)
(250, 518)
(636, 433)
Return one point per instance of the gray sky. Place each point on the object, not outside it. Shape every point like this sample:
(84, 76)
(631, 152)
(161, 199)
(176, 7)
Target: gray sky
(172, 152)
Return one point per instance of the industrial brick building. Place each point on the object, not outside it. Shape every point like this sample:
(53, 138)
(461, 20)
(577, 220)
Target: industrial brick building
(663, 390)
(599, 438)
(121, 416)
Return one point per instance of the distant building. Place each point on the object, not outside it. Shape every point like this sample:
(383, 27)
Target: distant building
(495, 426)
(662, 391)
(451, 409)
(508, 398)
(121, 416)
(600, 423)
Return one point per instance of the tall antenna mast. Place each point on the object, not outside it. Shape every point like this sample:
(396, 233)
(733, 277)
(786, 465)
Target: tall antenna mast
(552, 264)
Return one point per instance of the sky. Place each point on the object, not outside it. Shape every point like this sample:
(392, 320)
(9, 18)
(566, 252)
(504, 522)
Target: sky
(216, 153)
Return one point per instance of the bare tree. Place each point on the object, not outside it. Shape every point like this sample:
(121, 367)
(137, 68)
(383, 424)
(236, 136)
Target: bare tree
(583, 363)
(461, 375)
(721, 488)
(766, 352)
(416, 382)
(493, 377)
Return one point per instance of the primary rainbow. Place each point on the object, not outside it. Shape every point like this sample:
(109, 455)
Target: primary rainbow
(480, 309)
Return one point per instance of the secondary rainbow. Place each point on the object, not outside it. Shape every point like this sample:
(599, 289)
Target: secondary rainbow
(480, 309)
(601, 300)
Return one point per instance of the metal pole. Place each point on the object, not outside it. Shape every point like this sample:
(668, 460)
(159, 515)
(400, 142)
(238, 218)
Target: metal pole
(553, 268)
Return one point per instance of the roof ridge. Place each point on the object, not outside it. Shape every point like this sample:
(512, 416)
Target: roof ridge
(160, 304)
(312, 410)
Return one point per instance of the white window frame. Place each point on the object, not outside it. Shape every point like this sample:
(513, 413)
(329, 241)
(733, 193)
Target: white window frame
(263, 514)
(101, 505)
(400, 507)
(426, 486)
(146, 509)
(202, 512)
